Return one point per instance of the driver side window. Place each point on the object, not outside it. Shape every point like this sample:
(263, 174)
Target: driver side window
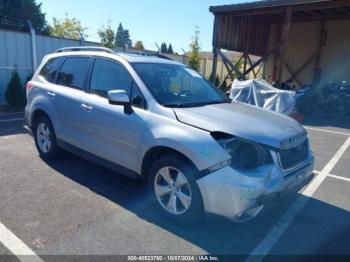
(108, 75)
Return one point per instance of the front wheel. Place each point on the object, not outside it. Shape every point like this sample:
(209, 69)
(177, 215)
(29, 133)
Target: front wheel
(173, 189)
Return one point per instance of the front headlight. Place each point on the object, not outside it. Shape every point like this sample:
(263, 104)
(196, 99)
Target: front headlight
(246, 155)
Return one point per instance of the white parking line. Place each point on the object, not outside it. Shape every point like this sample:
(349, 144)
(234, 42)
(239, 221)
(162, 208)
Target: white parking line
(16, 246)
(326, 131)
(335, 176)
(265, 246)
(340, 177)
(10, 114)
(12, 120)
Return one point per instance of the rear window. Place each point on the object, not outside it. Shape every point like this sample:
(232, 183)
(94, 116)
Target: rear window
(51, 68)
(73, 72)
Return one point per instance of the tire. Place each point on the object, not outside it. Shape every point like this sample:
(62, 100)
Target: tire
(44, 132)
(181, 201)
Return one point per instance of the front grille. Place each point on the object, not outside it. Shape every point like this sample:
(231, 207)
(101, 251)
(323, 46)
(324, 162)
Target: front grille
(290, 158)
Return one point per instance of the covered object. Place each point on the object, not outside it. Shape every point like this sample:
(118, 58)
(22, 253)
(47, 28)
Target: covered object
(262, 94)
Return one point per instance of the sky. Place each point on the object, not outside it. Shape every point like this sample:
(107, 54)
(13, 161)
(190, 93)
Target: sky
(147, 20)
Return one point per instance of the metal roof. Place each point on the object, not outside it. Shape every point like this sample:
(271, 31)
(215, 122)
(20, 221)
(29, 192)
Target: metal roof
(261, 4)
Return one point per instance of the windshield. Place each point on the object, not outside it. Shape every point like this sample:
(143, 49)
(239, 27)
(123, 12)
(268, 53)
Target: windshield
(178, 86)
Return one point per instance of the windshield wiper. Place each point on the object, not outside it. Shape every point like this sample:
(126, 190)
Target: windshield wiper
(195, 104)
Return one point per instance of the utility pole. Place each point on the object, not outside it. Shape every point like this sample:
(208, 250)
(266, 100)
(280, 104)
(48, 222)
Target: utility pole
(32, 33)
(159, 50)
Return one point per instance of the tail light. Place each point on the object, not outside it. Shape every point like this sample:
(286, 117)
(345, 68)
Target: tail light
(29, 86)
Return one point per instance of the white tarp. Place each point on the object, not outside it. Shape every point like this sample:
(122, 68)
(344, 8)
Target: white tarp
(261, 93)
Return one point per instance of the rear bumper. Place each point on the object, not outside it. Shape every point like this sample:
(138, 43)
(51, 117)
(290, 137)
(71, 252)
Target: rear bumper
(231, 193)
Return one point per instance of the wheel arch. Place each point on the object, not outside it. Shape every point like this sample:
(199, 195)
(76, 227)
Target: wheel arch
(153, 153)
(36, 114)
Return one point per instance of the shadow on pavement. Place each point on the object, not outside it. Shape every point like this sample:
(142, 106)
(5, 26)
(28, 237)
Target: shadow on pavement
(327, 121)
(216, 235)
(13, 128)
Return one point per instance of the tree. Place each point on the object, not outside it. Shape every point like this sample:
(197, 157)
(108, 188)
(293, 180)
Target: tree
(163, 48)
(14, 14)
(139, 45)
(68, 28)
(14, 94)
(194, 56)
(107, 36)
(122, 38)
(170, 49)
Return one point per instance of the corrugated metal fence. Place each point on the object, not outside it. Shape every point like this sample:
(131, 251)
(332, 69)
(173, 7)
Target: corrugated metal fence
(16, 54)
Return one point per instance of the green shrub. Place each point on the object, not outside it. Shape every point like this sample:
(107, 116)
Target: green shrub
(14, 94)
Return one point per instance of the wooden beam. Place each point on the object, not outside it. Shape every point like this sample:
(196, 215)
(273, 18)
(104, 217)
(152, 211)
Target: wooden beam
(284, 40)
(228, 62)
(230, 72)
(279, 9)
(343, 10)
(293, 74)
(273, 50)
(251, 64)
(318, 52)
(303, 66)
(215, 53)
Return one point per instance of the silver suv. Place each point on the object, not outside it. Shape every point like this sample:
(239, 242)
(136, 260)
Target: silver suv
(157, 120)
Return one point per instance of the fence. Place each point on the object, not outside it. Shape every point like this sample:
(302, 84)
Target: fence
(16, 53)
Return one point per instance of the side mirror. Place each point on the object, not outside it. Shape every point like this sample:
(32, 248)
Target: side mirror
(118, 97)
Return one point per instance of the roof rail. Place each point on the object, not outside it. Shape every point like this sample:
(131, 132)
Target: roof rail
(85, 48)
(154, 55)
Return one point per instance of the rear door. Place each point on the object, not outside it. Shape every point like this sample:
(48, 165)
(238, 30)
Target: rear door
(70, 88)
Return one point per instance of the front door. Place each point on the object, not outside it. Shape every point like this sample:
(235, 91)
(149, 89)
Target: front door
(108, 130)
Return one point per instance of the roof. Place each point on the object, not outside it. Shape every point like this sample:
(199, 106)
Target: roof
(131, 58)
(261, 4)
(135, 58)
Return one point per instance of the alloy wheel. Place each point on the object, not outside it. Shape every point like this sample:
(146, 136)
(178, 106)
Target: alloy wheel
(172, 190)
(44, 138)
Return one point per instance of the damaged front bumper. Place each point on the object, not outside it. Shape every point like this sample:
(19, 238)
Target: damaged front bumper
(232, 193)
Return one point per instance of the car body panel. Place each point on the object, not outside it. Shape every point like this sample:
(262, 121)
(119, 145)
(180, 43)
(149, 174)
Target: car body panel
(231, 193)
(242, 120)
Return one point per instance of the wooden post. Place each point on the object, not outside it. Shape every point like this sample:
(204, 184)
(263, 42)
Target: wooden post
(317, 72)
(215, 51)
(283, 44)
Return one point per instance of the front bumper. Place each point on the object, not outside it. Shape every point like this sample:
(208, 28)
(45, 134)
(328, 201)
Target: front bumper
(231, 193)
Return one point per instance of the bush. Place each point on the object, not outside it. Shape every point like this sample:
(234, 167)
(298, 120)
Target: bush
(14, 94)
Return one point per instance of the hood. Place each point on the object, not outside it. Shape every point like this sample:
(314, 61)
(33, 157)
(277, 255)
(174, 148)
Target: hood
(242, 120)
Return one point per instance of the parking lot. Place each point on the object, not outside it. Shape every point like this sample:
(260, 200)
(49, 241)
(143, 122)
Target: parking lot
(73, 207)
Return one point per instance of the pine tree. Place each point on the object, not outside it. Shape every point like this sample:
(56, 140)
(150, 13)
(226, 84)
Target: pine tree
(163, 48)
(127, 40)
(119, 37)
(17, 12)
(14, 94)
(122, 37)
(170, 49)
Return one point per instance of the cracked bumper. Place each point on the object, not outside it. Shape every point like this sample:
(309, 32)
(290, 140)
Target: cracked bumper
(231, 193)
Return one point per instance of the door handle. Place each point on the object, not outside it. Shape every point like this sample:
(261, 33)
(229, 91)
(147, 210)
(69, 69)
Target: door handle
(52, 94)
(87, 107)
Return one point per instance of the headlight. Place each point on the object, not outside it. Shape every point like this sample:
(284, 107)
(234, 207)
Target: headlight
(246, 155)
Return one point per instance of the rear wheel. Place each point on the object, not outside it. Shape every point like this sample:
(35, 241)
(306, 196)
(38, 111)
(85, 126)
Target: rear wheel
(173, 189)
(45, 139)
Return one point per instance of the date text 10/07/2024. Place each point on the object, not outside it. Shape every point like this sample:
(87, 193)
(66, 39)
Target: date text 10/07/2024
(173, 258)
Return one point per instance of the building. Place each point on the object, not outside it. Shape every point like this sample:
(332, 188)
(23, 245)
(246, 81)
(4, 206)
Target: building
(298, 41)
